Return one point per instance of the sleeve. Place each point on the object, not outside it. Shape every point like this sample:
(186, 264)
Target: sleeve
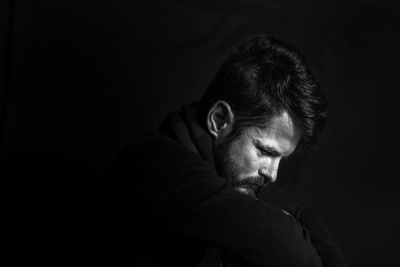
(321, 237)
(192, 199)
(310, 219)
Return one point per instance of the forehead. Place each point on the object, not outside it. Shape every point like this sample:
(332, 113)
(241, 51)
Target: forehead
(281, 134)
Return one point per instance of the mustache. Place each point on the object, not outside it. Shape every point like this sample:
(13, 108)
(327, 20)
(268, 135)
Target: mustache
(257, 181)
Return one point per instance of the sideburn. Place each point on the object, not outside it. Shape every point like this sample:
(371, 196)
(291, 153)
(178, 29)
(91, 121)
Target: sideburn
(225, 166)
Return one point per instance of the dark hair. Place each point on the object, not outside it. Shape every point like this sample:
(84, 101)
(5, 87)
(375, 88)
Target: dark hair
(264, 77)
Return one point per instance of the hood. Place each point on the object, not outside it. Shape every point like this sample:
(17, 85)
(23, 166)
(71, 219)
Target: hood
(184, 126)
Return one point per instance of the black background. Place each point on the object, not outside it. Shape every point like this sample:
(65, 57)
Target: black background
(80, 78)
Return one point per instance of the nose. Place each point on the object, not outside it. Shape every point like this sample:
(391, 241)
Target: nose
(270, 171)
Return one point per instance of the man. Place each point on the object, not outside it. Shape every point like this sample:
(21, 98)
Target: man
(187, 195)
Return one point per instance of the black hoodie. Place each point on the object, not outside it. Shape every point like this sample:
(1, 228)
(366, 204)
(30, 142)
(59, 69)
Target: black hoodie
(165, 205)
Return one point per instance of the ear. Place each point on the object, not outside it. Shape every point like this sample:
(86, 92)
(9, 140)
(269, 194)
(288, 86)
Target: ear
(219, 118)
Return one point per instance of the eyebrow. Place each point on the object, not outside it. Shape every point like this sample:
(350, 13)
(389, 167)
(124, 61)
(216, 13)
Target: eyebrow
(268, 148)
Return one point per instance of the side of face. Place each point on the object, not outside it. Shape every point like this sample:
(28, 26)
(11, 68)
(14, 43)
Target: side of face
(252, 159)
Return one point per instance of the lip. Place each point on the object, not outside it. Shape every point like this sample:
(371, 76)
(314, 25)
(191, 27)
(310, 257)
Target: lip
(249, 186)
(247, 190)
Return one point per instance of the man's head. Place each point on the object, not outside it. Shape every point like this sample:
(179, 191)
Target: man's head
(262, 102)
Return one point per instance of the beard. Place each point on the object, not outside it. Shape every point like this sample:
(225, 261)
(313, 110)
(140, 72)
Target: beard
(225, 165)
(228, 169)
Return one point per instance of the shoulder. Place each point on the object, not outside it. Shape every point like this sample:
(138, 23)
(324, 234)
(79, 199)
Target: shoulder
(153, 144)
(158, 152)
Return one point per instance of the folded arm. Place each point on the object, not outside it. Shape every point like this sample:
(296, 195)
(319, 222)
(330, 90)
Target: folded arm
(192, 199)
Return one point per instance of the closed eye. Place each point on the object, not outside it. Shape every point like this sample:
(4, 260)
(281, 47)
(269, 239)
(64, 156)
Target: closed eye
(268, 152)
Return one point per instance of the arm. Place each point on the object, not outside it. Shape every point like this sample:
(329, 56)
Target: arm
(192, 199)
(321, 238)
(310, 219)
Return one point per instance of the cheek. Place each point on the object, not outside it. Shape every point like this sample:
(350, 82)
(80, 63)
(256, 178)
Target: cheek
(246, 160)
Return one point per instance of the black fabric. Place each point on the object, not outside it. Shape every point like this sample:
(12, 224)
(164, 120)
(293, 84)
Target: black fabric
(164, 205)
